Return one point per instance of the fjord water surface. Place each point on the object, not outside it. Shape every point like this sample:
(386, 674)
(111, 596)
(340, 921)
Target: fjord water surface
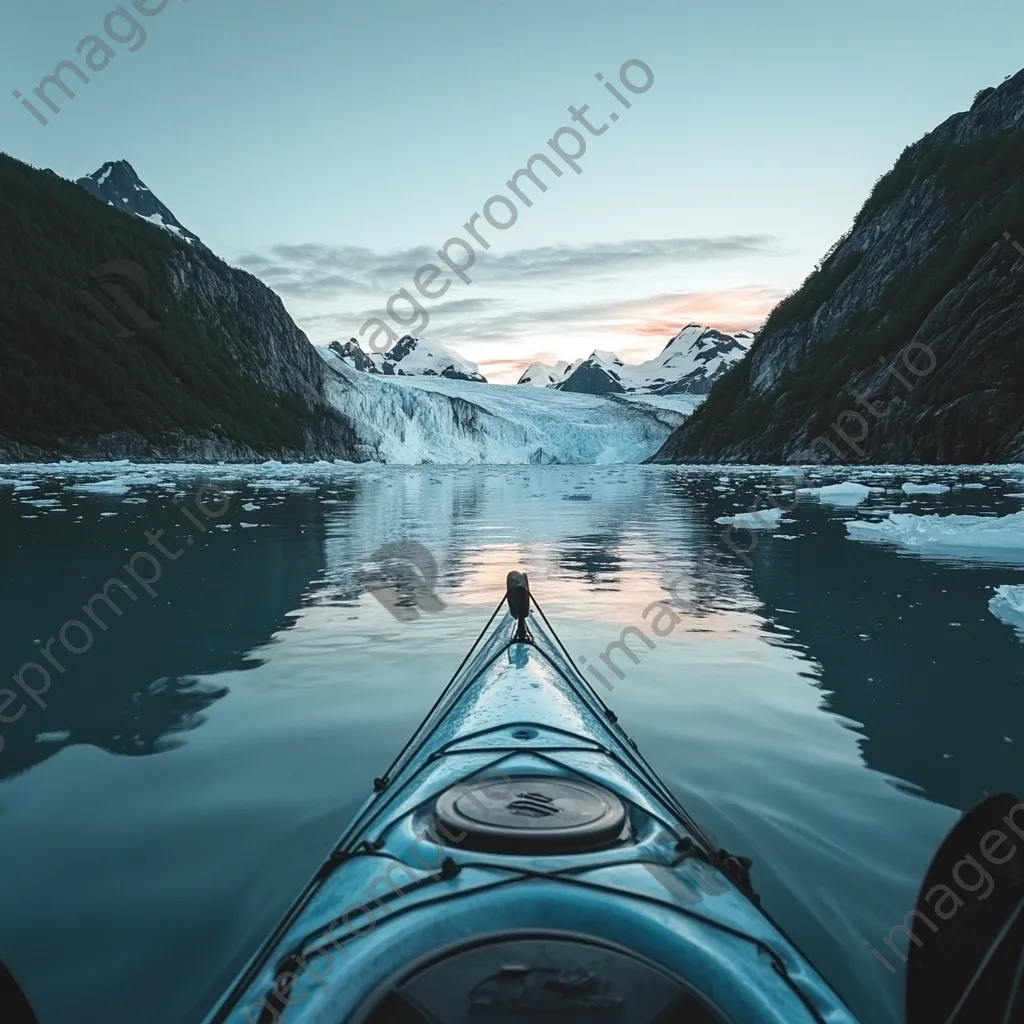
(826, 709)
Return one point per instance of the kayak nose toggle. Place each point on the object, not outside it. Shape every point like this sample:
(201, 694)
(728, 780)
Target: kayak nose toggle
(517, 587)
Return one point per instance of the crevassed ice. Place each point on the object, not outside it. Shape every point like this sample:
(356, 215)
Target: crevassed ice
(414, 420)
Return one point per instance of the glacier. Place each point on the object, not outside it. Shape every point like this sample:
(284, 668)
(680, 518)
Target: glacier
(415, 420)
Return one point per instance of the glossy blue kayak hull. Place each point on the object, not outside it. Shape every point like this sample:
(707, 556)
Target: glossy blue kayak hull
(400, 893)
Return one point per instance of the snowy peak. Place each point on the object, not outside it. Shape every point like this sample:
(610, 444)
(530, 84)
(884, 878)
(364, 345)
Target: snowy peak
(117, 185)
(540, 375)
(688, 364)
(409, 357)
(696, 357)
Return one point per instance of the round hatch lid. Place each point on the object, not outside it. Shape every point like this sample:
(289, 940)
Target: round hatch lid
(531, 814)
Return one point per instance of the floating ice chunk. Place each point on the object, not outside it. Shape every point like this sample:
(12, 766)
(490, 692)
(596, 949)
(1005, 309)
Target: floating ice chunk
(719, 487)
(1008, 606)
(765, 519)
(974, 487)
(250, 507)
(969, 535)
(847, 493)
(115, 486)
(248, 526)
(911, 488)
(57, 736)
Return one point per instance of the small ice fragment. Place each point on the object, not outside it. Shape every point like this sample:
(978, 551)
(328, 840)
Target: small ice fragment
(766, 519)
(250, 507)
(102, 487)
(847, 493)
(912, 488)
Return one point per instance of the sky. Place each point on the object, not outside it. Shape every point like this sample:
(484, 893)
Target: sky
(333, 148)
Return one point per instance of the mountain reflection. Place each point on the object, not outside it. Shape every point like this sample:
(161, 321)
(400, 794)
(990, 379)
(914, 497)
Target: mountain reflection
(136, 691)
(908, 650)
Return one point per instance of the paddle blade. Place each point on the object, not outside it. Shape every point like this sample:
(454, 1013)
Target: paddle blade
(967, 939)
(14, 1007)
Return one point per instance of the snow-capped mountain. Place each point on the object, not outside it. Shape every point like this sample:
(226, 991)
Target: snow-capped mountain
(117, 184)
(688, 365)
(409, 357)
(540, 375)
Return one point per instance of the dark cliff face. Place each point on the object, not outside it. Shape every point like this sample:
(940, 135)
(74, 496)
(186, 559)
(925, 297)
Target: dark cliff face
(122, 339)
(907, 342)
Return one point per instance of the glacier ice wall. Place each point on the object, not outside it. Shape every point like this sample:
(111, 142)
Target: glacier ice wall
(415, 420)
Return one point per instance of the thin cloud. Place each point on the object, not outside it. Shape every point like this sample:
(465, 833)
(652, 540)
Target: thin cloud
(314, 271)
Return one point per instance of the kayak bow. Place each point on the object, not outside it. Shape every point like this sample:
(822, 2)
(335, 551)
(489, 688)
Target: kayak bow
(518, 861)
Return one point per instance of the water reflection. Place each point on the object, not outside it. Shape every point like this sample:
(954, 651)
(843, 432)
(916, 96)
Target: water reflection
(908, 650)
(816, 708)
(135, 691)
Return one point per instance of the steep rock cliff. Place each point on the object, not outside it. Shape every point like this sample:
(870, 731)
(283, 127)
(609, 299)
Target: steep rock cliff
(906, 344)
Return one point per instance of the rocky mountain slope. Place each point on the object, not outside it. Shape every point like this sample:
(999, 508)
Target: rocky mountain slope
(688, 365)
(124, 339)
(906, 344)
(409, 357)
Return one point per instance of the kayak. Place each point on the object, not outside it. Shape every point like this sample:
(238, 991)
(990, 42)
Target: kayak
(520, 860)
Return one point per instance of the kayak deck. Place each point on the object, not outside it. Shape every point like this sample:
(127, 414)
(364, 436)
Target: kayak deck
(519, 861)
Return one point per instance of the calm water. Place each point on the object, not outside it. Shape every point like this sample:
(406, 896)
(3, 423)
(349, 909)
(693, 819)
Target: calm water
(826, 710)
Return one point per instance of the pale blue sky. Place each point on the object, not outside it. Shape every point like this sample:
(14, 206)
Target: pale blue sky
(373, 130)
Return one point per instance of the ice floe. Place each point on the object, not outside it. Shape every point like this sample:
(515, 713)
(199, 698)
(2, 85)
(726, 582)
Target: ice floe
(847, 493)
(973, 536)
(911, 488)
(765, 519)
(1008, 606)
